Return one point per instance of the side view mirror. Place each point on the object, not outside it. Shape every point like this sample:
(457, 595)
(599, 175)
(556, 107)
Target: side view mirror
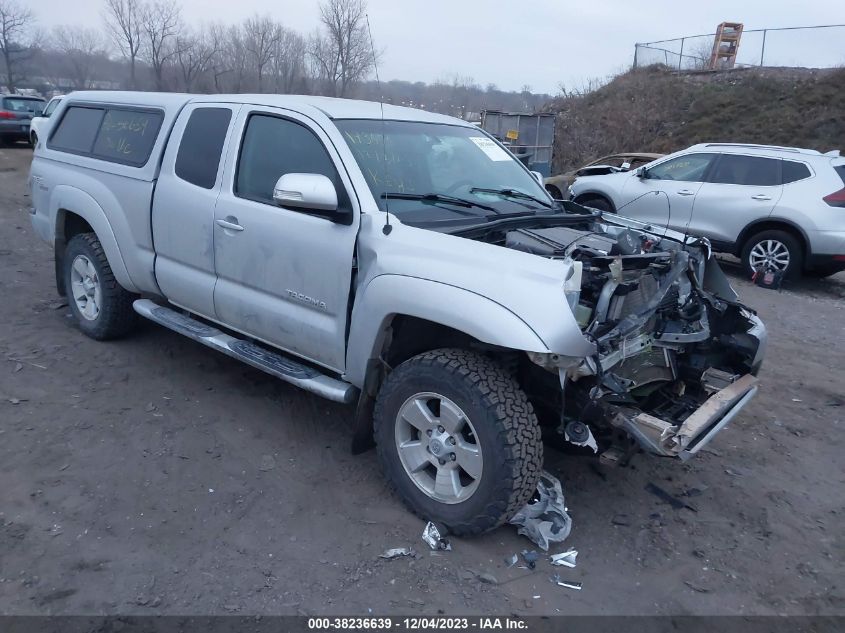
(538, 176)
(642, 172)
(309, 192)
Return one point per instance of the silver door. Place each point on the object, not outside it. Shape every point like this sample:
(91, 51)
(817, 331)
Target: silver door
(665, 196)
(283, 276)
(183, 205)
(740, 190)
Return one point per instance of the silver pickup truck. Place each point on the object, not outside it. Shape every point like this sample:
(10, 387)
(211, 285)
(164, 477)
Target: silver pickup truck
(403, 262)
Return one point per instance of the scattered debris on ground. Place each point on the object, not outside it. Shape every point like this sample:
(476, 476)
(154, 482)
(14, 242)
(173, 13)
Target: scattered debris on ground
(544, 520)
(436, 537)
(673, 501)
(565, 583)
(397, 552)
(567, 558)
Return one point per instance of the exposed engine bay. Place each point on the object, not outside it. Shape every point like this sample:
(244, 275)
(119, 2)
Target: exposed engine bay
(676, 356)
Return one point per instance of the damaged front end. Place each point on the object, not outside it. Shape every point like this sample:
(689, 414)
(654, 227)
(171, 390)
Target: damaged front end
(676, 354)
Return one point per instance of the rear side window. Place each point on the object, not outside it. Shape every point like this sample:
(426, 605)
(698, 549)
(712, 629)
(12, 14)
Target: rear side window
(23, 105)
(117, 135)
(733, 169)
(77, 130)
(840, 169)
(127, 136)
(793, 171)
(202, 145)
(272, 147)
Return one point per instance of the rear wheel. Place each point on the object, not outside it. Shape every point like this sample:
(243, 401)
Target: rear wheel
(102, 308)
(458, 440)
(773, 250)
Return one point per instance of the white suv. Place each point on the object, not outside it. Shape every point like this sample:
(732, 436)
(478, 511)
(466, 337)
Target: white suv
(777, 208)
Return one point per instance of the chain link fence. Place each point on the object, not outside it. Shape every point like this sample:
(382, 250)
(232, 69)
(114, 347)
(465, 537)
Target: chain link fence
(800, 46)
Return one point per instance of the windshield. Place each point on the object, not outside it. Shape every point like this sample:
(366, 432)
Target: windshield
(22, 104)
(430, 170)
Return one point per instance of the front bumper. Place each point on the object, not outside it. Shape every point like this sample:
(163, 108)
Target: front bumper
(685, 440)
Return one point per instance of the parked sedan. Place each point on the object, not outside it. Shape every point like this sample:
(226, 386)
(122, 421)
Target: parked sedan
(776, 208)
(557, 186)
(16, 112)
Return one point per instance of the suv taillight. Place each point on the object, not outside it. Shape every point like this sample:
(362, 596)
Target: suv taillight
(836, 199)
(7, 115)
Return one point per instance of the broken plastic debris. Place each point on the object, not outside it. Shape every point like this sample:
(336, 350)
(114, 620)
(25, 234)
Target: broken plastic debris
(567, 558)
(511, 561)
(544, 519)
(396, 552)
(431, 535)
(569, 584)
(530, 558)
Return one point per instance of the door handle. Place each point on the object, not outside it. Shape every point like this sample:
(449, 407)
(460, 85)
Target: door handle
(686, 192)
(761, 196)
(230, 223)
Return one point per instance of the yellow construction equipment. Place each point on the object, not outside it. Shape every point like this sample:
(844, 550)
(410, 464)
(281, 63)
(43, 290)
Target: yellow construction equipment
(725, 45)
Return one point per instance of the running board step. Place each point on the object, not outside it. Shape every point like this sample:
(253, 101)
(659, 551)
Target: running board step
(273, 363)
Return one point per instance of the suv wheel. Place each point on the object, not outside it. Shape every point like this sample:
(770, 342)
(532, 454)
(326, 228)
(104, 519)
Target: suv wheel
(773, 250)
(458, 440)
(101, 307)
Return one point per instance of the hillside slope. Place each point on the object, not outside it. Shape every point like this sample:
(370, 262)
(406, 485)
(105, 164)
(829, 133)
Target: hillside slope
(656, 110)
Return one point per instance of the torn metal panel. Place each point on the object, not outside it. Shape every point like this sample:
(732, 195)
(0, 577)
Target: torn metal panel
(544, 520)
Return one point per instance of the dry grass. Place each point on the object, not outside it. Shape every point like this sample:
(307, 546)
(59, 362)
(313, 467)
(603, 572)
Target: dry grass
(655, 110)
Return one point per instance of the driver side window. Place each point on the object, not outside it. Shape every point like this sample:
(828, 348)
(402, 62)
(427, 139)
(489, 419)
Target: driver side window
(686, 168)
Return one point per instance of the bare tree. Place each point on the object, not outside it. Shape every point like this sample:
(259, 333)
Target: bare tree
(123, 21)
(79, 46)
(343, 55)
(16, 23)
(194, 54)
(161, 23)
(288, 64)
(261, 37)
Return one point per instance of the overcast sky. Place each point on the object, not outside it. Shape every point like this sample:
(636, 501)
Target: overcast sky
(540, 43)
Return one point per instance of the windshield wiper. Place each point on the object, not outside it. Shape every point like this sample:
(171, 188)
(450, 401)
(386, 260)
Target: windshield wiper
(437, 197)
(512, 193)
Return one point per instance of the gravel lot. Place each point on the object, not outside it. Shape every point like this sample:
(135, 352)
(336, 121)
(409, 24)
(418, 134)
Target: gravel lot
(153, 475)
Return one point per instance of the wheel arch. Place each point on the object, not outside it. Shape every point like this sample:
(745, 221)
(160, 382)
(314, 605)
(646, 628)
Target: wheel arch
(773, 224)
(396, 317)
(591, 194)
(77, 212)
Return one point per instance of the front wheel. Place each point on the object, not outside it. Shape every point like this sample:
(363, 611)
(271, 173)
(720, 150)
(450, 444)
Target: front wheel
(458, 439)
(773, 251)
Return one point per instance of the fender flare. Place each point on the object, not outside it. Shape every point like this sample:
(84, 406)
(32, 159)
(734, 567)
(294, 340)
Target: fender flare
(387, 296)
(64, 199)
(595, 194)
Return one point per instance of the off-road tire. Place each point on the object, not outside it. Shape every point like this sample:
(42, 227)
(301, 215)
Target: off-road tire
(116, 317)
(596, 202)
(506, 427)
(793, 245)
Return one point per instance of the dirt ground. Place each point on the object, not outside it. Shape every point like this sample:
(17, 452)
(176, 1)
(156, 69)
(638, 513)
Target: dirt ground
(153, 475)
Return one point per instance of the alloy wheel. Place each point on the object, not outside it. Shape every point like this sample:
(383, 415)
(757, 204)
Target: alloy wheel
(438, 447)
